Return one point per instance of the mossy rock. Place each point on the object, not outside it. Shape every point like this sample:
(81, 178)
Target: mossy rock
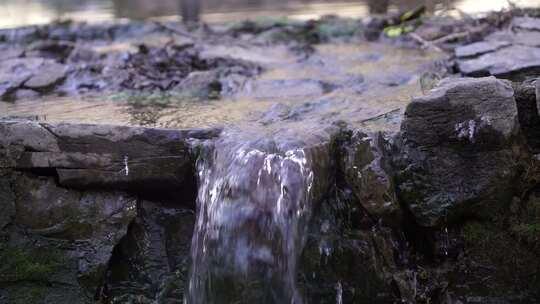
(496, 264)
(36, 264)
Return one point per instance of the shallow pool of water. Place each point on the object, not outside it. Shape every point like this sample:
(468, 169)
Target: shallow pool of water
(367, 85)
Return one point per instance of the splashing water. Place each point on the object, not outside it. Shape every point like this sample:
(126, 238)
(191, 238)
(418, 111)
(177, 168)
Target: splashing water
(254, 204)
(339, 293)
(126, 166)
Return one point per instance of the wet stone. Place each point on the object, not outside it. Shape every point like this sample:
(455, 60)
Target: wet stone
(459, 150)
(537, 85)
(79, 227)
(365, 168)
(7, 200)
(341, 263)
(272, 89)
(151, 262)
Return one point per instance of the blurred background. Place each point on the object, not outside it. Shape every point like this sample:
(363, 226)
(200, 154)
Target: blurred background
(15, 13)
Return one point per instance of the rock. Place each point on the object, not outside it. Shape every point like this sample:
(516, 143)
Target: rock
(200, 85)
(51, 49)
(365, 170)
(277, 112)
(47, 209)
(138, 160)
(480, 48)
(161, 69)
(336, 253)
(25, 94)
(537, 82)
(60, 185)
(47, 77)
(14, 72)
(458, 150)
(527, 23)
(7, 200)
(527, 38)
(295, 88)
(506, 54)
(152, 261)
(81, 228)
(10, 53)
(529, 119)
(506, 62)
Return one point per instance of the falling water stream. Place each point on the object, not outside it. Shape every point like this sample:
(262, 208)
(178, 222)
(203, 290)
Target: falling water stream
(254, 205)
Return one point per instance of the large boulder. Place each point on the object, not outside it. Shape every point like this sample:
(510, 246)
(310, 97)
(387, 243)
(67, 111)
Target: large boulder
(459, 150)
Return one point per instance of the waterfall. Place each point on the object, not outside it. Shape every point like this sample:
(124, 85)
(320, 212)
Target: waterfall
(253, 208)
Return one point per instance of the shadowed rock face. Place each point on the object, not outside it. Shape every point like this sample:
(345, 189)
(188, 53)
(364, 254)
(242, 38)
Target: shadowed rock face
(459, 150)
(151, 262)
(529, 120)
(72, 190)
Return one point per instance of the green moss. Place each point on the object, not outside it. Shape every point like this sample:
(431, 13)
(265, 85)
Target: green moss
(36, 265)
(526, 224)
(528, 232)
(145, 99)
(30, 295)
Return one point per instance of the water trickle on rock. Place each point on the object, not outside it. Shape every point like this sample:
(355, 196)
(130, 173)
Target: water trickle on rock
(254, 205)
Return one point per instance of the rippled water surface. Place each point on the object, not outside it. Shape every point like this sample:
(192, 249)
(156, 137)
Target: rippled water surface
(351, 82)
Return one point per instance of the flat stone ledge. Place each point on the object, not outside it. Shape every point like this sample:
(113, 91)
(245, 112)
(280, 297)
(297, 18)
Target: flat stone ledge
(102, 156)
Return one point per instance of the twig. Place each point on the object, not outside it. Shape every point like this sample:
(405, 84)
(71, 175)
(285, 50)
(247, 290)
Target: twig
(450, 37)
(380, 115)
(425, 44)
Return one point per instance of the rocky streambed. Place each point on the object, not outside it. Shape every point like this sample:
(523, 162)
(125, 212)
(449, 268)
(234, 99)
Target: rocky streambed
(329, 169)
